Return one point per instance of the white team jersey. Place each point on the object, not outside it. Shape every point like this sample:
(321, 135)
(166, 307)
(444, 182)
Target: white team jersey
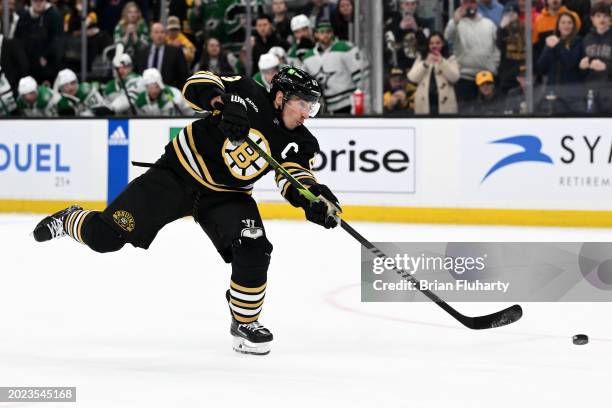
(170, 102)
(338, 70)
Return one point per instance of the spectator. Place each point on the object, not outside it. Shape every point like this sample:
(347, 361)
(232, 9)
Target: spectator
(97, 40)
(265, 38)
(13, 18)
(534, 13)
(214, 59)
(282, 22)
(516, 100)
(560, 58)
(268, 67)
(511, 43)
(488, 101)
(35, 101)
(168, 59)
(159, 99)
(337, 66)
(473, 38)
(435, 72)
(78, 99)
(41, 30)
(491, 9)
(13, 62)
(279, 53)
(110, 12)
(583, 9)
(399, 97)
(317, 10)
(406, 34)
(303, 40)
(343, 19)
(178, 39)
(546, 22)
(132, 29)
(597, 60)
(126, 83)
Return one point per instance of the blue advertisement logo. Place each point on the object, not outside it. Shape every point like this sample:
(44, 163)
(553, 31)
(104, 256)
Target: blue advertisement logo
(118, 151)
(532, 152)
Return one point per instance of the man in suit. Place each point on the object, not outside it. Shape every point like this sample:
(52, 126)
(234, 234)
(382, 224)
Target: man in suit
(169, 60)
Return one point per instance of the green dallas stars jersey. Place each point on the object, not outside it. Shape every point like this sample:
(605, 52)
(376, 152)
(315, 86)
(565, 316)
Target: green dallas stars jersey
(82, 104)
(45, 104)
(170, 102)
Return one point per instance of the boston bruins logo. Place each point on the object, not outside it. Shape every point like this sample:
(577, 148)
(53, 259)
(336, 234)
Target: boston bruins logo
(243, 162)
(124, 220)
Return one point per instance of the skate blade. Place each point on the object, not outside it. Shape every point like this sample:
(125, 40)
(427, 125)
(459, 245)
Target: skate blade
(246, 347)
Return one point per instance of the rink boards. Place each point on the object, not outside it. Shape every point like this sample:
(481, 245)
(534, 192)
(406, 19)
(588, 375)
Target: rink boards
(473, 171)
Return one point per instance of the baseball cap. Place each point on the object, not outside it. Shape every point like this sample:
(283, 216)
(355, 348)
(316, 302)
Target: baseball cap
(324, 25)
(173, 23)
(395, 71)
(484, 76)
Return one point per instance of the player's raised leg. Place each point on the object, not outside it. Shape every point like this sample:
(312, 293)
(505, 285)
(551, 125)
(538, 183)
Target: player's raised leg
(233, 223)
(147, 204)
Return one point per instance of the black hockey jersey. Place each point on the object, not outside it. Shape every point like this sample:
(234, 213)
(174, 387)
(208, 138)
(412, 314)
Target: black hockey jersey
(213, 162)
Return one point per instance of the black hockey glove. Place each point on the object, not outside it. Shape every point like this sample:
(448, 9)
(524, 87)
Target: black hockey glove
(320, 212)
(234, 123)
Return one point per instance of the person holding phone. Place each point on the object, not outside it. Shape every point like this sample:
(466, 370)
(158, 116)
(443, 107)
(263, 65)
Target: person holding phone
(473, 39)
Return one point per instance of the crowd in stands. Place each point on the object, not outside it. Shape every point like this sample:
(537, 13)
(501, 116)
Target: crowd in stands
(478, 65)
(137, 65)
(472, 60)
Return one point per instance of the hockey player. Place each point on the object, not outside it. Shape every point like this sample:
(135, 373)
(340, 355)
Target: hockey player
(35, 101)
(78, 99)
(268, 67)
(208, 171)
(336, 65)
(158, 99)
(116, 96)
(303, 40)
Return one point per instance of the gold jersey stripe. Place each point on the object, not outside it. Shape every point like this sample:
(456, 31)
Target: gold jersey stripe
(248, 290)
(80, 226)
(247, 305)
(198, 156)
(193, 174)
(209, 75)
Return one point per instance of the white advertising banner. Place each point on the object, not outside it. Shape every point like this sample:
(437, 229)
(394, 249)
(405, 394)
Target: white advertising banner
(53, 160)
(536, 163)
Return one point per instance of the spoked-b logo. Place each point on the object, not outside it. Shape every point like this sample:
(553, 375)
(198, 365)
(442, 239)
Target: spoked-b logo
(530, 151)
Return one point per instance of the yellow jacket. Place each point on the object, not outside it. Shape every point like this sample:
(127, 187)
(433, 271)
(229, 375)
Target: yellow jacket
(183, 42)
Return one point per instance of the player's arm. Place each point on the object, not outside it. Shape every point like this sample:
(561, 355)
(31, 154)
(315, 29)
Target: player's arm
(320, 212)
(205, 91)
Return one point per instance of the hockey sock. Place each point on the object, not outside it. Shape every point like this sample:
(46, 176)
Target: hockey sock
(246, 303)
(73, 223)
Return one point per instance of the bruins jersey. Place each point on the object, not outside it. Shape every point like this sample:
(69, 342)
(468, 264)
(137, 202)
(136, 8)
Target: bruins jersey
(207, 158)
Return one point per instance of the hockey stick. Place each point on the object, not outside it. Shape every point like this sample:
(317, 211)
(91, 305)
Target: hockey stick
(498, 319)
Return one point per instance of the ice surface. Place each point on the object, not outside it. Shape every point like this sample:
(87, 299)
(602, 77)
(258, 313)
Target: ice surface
(151, 328)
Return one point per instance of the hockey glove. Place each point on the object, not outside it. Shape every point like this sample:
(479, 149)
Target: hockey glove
(323, 212)
(234, 123)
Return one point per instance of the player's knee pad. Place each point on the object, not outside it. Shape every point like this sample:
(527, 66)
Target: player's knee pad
(250, 259)
(100, 236)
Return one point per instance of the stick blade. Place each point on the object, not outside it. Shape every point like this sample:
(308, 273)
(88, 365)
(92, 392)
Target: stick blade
(497, 319)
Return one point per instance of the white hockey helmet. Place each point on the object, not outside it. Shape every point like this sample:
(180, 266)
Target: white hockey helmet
(65, 76)
(299, 21)
(152, 76)
(27, 85)
(278, 51)
(267, 61)
(123, 60)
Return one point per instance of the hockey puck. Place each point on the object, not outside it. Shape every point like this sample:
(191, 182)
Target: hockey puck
(580, 339)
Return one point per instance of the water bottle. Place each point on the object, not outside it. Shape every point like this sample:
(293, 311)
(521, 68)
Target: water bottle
(590, 104)
(358, 100)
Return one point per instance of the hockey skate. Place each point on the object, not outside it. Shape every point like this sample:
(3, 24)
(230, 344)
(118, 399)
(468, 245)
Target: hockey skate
(53, 226)
(249, 338)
